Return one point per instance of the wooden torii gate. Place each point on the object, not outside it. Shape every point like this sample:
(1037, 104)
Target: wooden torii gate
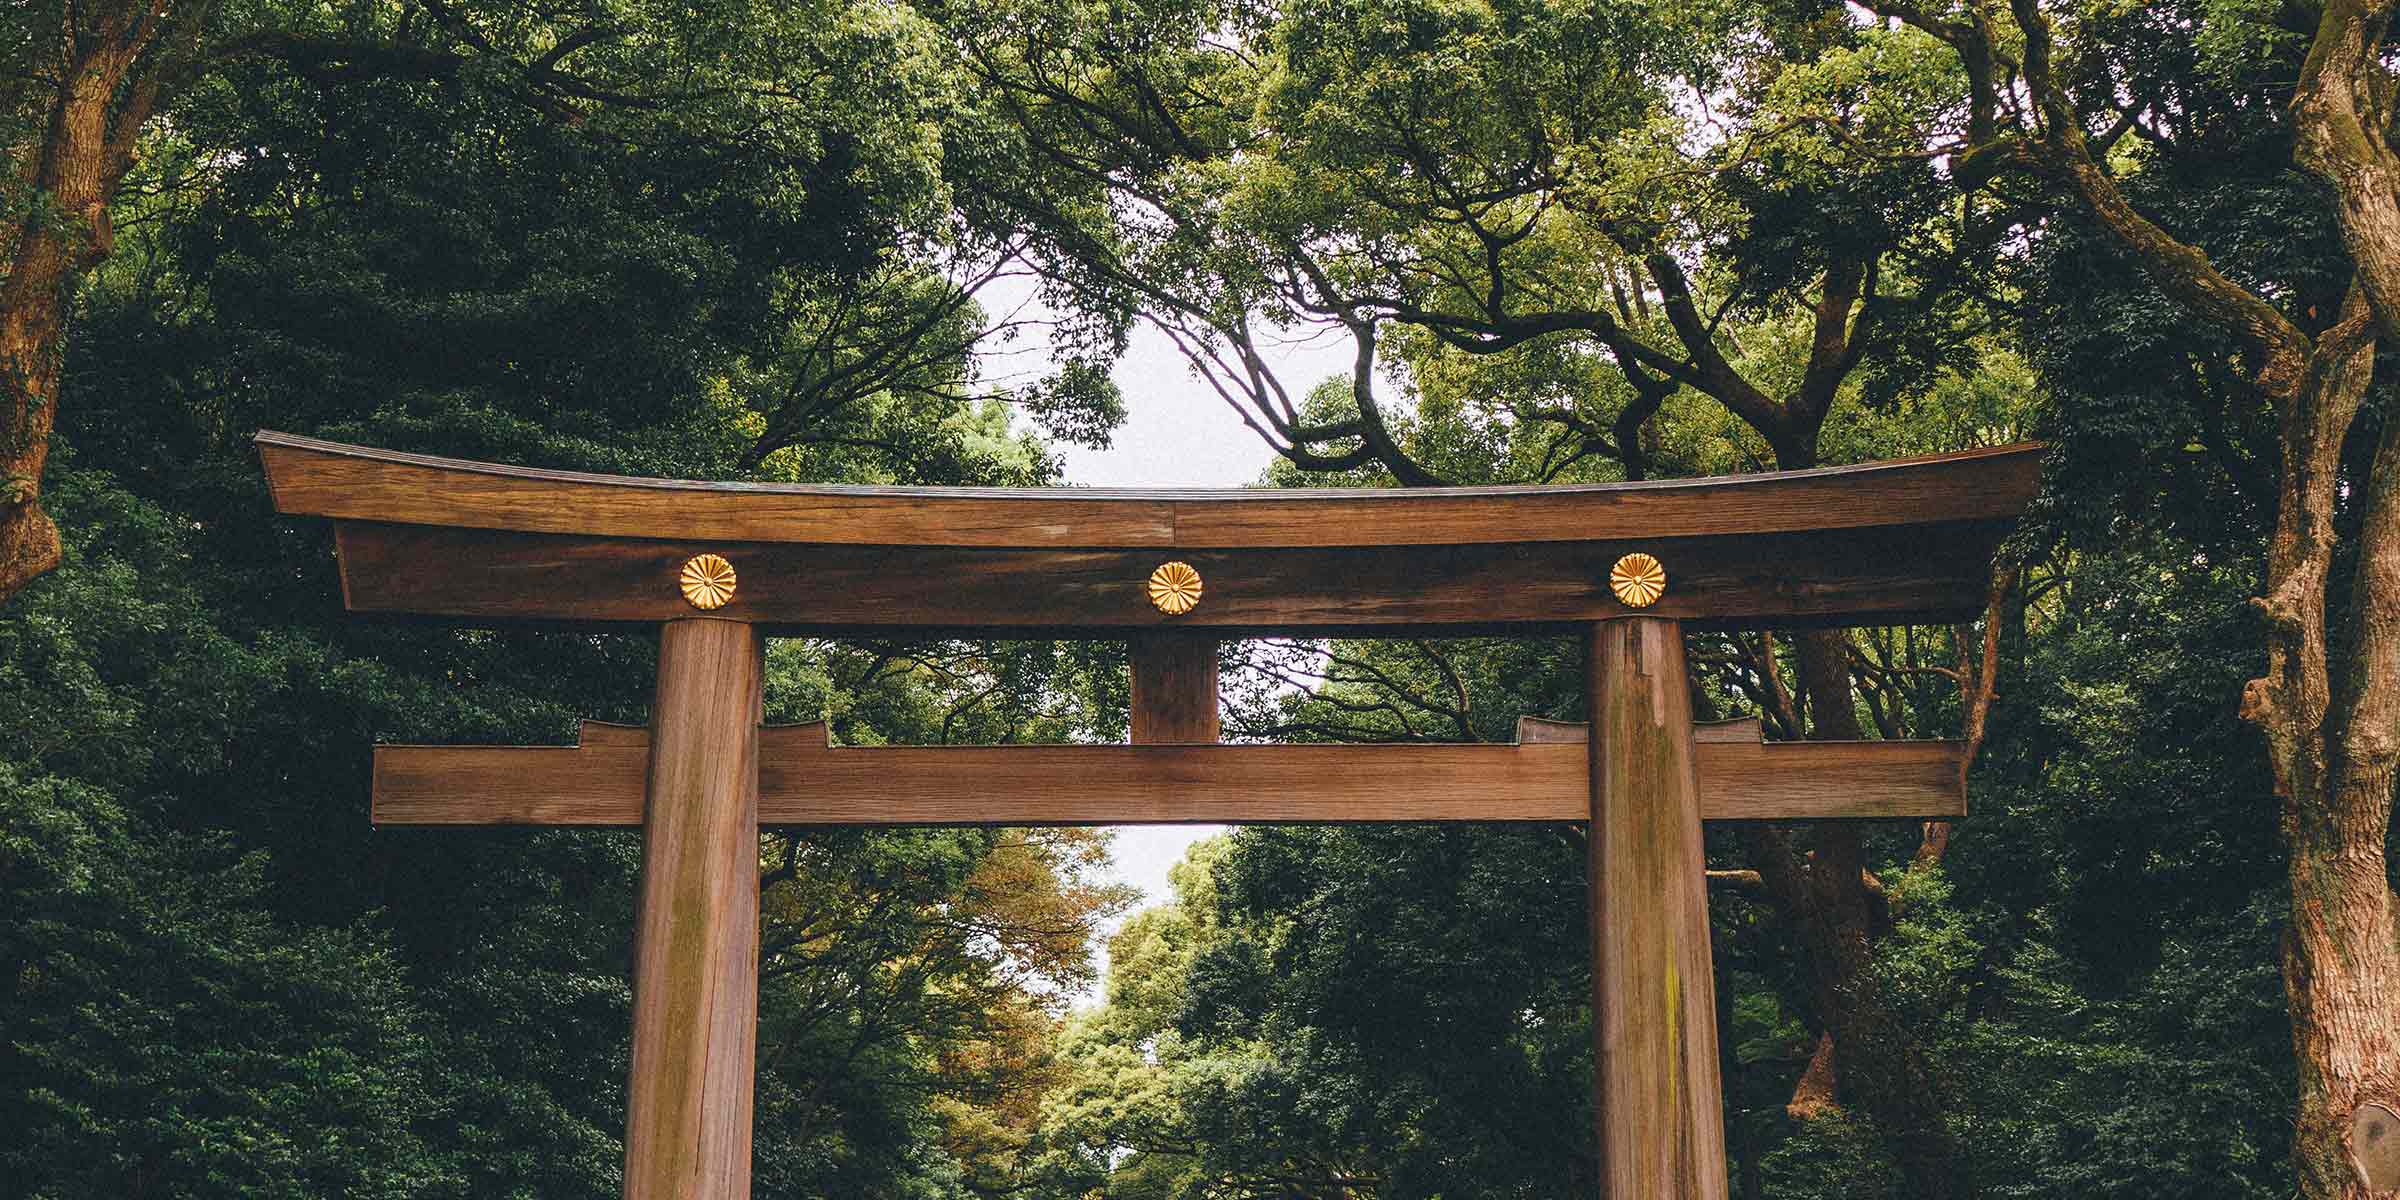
(717, 566)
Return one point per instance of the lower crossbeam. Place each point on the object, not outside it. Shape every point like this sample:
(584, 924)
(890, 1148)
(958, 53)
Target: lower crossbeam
(803, 781)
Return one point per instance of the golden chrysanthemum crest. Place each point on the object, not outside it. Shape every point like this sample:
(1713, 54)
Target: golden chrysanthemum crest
(707, 581)
(1638, 580)
(1175, 588)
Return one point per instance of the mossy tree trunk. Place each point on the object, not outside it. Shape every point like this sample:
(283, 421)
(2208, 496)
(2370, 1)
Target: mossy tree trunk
(108, 65)
(2329, 701)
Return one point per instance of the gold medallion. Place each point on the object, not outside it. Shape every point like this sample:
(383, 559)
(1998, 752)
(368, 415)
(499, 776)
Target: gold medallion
(1638, 580)
(1175, 588)
(707, 581)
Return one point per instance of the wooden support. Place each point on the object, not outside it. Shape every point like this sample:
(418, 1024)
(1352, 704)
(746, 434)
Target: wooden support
(1174, 687)
(802, 781)
(1658, 1102)
(695, 983)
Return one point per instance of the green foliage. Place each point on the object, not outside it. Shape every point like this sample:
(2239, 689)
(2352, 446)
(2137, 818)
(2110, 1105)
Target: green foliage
(691, 270)
(163, 1027)
(165, 1022)
(752, 241)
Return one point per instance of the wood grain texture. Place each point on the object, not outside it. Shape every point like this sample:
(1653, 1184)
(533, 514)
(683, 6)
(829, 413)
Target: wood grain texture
(1740, 731)
(1849, 576)
(695, 983)
(1658, 1102)
(330, 479)
(802, 782)
(1174, 687)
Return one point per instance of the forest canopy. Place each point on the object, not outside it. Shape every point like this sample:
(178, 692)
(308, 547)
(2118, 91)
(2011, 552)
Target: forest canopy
(1559, 243)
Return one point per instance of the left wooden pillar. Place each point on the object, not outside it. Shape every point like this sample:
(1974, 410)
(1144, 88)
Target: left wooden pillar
(695, 976)
(1657, 1100)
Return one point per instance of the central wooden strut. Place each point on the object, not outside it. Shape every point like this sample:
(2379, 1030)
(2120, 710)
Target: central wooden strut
(1658, 1103)
(1174, 687)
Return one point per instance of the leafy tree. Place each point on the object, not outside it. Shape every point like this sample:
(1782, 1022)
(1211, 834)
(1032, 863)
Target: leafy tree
(800, 148)
(2050, 92)
(167, 1030)
(630, 281)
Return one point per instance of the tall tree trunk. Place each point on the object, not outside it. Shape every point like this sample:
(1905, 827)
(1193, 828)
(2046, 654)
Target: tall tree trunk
(2333, 732)
(29, 351)
(108, 85)
(1823, 897)
(1815, 1094)
(2334, 727)
(2341, 969)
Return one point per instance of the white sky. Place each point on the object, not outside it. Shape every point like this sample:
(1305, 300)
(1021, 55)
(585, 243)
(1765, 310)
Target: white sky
(1178, 433)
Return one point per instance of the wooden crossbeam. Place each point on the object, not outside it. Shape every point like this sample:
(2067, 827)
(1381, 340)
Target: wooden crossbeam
(803, 781)
(1875, 543)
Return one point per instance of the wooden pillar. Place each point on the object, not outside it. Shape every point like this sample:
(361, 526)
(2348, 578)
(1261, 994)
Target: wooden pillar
(1174, 687)
(1658, 1101)
(695, 981)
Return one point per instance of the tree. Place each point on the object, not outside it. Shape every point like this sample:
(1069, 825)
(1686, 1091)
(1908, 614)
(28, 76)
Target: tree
(1526, 185)
(435, 261)
(757, 119)
(86, 81)
(2329, 700)
(169, 1030)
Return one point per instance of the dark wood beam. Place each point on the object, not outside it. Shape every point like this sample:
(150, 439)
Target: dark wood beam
(1851, 576)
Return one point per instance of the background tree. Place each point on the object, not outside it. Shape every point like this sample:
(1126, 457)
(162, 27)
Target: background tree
(2049, 92)
(219, 980)
(1549, 224)
(844, 100)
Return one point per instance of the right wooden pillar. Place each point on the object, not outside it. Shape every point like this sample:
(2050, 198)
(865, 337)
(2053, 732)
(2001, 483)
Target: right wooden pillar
(1658, 1101)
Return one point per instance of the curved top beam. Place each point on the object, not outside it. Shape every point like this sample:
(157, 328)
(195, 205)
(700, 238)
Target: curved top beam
(1876, 543)
(357, 483)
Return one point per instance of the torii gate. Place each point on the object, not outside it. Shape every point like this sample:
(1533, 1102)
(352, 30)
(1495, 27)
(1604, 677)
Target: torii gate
(716, 566)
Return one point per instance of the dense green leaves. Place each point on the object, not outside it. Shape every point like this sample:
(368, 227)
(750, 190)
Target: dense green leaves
(711, 252)
(790, 242)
